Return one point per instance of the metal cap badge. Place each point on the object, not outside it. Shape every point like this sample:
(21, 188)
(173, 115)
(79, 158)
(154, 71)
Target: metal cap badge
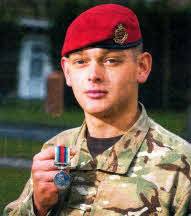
(120, 35)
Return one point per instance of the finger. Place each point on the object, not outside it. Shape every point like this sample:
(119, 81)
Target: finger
(44, 176)
(45, 154)
(48, 176)
(44, 165)
(47, 187)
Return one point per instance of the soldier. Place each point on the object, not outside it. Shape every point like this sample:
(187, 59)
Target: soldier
(119, 162)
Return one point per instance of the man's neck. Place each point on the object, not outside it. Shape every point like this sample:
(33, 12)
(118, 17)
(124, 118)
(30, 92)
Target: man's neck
(111, 126)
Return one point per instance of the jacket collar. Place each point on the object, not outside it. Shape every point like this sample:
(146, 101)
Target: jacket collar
(119, 157)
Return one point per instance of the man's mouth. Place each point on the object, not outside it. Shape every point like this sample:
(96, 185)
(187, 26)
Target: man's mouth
(96, 94)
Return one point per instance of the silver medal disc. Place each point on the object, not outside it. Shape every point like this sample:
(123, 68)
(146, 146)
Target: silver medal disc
(61, 180)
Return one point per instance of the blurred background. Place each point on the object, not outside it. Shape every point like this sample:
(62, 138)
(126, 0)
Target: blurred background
(36, 104)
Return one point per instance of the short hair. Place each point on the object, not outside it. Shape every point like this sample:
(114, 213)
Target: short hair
(137, 51)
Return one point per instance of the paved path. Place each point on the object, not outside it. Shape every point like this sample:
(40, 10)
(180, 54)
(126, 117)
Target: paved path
(15, 162)
(28, 132)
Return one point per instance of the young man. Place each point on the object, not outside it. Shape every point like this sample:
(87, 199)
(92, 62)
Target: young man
(122, 162)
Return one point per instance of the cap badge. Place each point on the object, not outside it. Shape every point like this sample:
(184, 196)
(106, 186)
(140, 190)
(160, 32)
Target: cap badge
(120, 35)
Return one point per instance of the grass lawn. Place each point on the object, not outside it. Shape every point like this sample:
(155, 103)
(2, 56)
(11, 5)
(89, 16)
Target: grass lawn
(19, 148)
(12, 184)
(32, 112)
(172, 121)
(67, 119)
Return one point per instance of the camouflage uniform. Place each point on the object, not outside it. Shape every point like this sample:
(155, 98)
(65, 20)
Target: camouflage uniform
(147, 172)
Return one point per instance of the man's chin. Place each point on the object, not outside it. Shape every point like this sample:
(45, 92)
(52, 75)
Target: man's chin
(100, 113)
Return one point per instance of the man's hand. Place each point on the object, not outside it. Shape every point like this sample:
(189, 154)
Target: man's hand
(43, 171)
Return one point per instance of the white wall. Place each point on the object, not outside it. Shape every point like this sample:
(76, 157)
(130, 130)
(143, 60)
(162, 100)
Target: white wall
(34, 67)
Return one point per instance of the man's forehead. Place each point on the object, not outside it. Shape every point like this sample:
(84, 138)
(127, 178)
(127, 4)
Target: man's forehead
(101, 51)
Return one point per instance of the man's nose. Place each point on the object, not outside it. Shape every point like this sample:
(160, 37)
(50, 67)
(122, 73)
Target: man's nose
(96, 73)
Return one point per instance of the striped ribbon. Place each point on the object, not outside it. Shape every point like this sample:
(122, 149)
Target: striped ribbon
(62, 154)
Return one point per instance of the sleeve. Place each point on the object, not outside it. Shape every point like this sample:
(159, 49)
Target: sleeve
(23, 205)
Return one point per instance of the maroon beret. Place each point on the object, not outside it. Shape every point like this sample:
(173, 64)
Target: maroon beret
(106, 26)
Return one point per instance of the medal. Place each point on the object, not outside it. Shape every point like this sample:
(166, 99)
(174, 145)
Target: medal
(61, 180)
(62, 158)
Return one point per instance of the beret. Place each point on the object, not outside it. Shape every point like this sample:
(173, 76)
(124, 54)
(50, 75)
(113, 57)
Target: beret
(105, 26)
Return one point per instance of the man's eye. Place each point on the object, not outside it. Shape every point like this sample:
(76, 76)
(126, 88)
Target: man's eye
(80, 62)
(110, 61)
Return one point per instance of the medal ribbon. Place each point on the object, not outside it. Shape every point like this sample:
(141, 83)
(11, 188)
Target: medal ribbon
(62, 154)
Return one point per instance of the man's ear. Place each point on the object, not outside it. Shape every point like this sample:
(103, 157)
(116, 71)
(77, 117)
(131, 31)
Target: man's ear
(65, 68)
(144, 62)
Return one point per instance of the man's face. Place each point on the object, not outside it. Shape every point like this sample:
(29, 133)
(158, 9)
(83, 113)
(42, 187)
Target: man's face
(103, 81)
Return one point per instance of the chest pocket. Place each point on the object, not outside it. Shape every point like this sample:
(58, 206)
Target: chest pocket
(121, 195)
